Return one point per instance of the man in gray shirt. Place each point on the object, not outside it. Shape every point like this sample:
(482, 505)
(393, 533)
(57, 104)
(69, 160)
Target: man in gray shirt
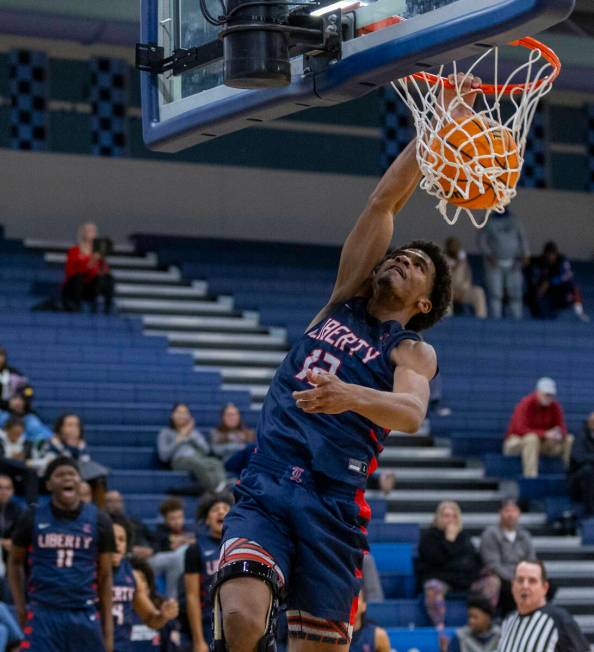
(504, 245)
(503, 546)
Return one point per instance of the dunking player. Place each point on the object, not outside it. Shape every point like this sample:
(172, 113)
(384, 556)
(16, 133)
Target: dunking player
(359, 371)
(69, 544)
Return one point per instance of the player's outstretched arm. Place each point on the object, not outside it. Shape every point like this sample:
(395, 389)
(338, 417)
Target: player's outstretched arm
(147, 611)
(16, 581)
(371, 236)
(403, 409)
(104, 591)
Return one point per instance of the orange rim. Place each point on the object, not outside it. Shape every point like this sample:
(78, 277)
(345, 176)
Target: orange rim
(492, 89)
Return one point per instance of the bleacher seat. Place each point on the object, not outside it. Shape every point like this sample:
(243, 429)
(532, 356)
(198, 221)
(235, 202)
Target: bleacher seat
(502, 466)
(421, 639)
(404, 612)
(394, 563)
(382, 532)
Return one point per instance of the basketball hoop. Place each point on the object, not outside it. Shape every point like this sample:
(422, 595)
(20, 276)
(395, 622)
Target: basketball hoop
(471, 157)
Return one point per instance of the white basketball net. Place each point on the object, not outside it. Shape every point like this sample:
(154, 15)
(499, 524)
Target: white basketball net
(525, 86)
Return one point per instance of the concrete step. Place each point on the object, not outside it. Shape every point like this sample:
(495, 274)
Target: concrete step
(172, 326)
(412, 452)
(478, 520)
(423, 474)
(258, 392)
(276, 338)
(222, 305)
(571, 595)
(63, 245)
(247, 374)
(169, 276)
(197, 290)
(432, 495)
(148, 261)
(570, 569)
(586, 623)
(227, 358)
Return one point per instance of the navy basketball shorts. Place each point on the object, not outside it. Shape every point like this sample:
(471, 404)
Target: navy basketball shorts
(62, 630)
(312, 532)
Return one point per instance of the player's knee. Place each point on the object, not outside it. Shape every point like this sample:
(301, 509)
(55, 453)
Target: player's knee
(243, 628)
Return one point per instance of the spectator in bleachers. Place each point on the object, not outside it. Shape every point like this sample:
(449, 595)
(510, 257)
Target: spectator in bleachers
(19, 405)
(367, 637)
(10, 510)
(552, 286)
(463, 291)
(11, 379)
(69, 441)
(15, 458)
(85, 492)
(231, 435)
(142, 540)
(503, 546)
(87, 276)
(372, 584)
(171, 542)
(447, 560)
(537, 626)
(537, 427)
(201, 562)
(581, 467)
(479, 634)
(504, 245)
(185, 448)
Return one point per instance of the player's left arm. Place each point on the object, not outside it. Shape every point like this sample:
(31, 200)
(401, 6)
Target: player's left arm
(402, 409)
(104, 591)
(382, 641)
(147, 611)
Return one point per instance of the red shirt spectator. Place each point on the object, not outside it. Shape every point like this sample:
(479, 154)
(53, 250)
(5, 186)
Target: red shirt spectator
(531, 416)
(88, 264)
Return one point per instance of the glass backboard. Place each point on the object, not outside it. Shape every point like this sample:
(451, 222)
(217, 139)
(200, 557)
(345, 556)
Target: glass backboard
(183, 110)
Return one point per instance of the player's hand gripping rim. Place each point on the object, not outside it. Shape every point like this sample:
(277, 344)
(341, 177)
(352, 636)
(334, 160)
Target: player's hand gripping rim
(329, 396)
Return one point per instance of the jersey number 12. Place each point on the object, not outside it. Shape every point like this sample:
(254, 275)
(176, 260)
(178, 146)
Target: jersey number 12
(319, 355)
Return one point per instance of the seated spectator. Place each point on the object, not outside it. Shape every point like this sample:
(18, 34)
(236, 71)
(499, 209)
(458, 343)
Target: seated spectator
(142, 540)
(503, 546)
(447, 560)
(85, 492)
(19, 405)
(552, 286)
(10, 511)
(11, 380)
(480, 634)
(231, 434)
(201, 562)
(581, 467)
(463, 291)
(69, 441)
(16, 458)
(537, 625)
(11, 635)
(87, 276)
(171, 541)
(367, 637)
(537, 427)
(185, 448)
(504, 245)
(372, 584)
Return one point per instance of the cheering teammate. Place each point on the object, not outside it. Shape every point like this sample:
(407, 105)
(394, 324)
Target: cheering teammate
(69, 544)
(130, 593)
(359, 371)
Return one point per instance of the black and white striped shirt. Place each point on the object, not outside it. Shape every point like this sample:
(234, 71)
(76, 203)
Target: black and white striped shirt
(549, 629)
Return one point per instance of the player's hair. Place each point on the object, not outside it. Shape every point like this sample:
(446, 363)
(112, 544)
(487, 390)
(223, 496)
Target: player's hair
(62, 460)
(170, 505)
(535, 562)
(441, 292)
(59, 424)
(123, 522)
(208, 501)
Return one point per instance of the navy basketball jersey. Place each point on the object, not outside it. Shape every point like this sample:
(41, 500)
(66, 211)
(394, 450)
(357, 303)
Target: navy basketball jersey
(64, 559)
(363, 639)
(356, 347)
(209, 550)
(124, 587)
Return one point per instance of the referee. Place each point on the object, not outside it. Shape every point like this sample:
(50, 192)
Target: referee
(537, 626)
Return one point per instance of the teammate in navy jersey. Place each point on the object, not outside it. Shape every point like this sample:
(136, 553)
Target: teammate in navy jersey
(69, 546)
(360, 370)
(367, 637)
(130, 593)
(200, 565)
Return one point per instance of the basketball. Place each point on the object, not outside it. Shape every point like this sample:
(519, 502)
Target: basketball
(480, 143)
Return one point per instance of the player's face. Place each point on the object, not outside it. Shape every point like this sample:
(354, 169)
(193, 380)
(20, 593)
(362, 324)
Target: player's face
(528, 589)
(215, 517)
(64, 485)
(121, 541)
(408, 274)
(478, 621)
